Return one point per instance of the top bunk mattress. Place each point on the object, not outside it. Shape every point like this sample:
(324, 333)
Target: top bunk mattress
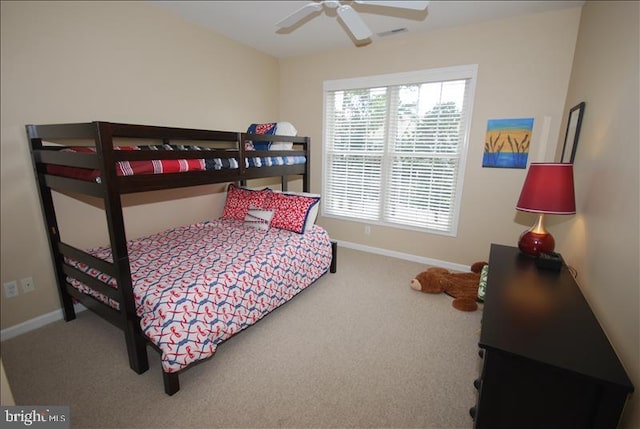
(166, 166)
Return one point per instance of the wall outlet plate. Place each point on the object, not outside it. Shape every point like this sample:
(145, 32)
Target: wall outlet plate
(11, 289)
(27, 284)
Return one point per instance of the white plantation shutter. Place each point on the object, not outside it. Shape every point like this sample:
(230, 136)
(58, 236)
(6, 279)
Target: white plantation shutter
(395, 147)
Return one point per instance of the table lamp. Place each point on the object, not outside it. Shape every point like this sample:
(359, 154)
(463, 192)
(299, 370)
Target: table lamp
(547, 189)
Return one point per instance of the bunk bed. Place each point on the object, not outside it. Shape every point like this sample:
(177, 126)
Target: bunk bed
(183, 307)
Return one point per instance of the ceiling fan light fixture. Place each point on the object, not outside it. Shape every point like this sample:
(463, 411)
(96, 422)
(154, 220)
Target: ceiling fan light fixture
(331, 4)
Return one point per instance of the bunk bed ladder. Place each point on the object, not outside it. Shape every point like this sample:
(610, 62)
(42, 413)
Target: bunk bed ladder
(53, 235)
(135, 339)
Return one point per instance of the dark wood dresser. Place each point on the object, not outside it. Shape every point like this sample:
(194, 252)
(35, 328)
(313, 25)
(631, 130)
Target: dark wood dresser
(546, 361)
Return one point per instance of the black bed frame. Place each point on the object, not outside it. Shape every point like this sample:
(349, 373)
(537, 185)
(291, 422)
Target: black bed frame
(112, 186)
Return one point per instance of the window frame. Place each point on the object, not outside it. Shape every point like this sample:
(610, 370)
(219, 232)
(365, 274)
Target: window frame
(467, 72)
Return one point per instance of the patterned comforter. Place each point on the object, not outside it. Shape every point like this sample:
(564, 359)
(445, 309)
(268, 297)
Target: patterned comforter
(197, 285)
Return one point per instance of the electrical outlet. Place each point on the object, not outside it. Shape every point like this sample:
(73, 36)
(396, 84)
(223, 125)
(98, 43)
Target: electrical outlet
(367, 229)
(27, 284)
(11, 289)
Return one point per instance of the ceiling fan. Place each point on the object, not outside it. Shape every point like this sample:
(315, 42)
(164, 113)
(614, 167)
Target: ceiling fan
(347, 14)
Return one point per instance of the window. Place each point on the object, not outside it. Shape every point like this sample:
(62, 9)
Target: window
(395, 147)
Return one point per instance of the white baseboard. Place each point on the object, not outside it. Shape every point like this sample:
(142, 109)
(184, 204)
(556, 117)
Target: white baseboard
(54, 316)
(35, 323)
(406, 256)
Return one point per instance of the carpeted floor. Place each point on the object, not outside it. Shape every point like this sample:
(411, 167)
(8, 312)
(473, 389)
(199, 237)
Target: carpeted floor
(358, 348)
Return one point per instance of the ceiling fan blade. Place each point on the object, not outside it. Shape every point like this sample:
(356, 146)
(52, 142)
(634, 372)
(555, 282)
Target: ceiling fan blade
(354, 23)
(299, 15)
(414, 5)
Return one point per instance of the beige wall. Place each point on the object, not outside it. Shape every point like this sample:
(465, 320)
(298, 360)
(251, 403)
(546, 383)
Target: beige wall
(602, 240)
(111, 61)
(524, 66)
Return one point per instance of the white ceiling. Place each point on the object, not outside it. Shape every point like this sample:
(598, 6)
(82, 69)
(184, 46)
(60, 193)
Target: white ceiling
(253, 22)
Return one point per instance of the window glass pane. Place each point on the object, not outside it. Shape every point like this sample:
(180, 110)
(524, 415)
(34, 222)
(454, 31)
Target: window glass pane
(354, 183)
(393, 154)
(358, 118)
(429, 117)
(421, 192)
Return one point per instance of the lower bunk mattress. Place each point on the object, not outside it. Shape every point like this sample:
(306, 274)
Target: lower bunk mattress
(197, 285)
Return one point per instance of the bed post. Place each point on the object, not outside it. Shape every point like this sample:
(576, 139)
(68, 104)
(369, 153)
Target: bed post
(334, 257)
(53, 234)
(306, 179)
(171, 382)
(135, 339)
(241, 139)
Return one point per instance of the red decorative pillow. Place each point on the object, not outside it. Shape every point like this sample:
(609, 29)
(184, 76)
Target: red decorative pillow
(290, 211)
(240, 199)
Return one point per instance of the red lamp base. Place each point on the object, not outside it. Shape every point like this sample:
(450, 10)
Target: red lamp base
(532, 243)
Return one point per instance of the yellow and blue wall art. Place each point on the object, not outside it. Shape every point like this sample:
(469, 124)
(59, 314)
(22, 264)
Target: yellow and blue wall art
(507, 143)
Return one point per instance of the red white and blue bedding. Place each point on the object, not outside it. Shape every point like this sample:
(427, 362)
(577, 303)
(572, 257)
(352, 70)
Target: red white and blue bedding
(197, 285)
(164, 166)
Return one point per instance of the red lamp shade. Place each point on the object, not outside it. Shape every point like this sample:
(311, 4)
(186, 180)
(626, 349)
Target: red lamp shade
(547, 189)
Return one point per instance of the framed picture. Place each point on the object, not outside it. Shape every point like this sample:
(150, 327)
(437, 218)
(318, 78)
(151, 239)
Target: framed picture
(507, 143)
(573, 134)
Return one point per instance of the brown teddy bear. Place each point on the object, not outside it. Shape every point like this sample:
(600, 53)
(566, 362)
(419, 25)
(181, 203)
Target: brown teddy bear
(461, 286)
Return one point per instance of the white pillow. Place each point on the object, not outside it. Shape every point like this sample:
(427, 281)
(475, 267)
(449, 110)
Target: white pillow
(284, 129)
(258, 218)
